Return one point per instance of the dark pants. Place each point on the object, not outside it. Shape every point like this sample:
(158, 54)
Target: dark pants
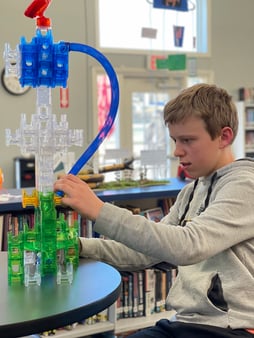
(167, 329)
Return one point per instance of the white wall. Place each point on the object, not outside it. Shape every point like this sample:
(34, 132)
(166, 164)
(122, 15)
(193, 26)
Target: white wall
(232, 51)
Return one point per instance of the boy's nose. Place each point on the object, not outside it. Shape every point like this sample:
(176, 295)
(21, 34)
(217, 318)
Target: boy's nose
(178, 150)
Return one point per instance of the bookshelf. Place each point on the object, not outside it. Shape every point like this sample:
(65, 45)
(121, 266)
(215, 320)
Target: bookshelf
(244, 143)
(243, 146)
(145, 198)
(12, 197)
(249, 129)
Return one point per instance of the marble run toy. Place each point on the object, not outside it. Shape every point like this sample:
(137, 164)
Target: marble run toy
(51, 245)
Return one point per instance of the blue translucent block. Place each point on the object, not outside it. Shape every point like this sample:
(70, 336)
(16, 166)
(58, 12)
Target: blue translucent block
(43, 63)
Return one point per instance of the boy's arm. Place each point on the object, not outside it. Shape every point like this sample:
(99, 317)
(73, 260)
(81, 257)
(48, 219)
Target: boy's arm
(114, 253)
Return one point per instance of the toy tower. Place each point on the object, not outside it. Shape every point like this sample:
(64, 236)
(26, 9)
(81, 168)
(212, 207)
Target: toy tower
(51, 246)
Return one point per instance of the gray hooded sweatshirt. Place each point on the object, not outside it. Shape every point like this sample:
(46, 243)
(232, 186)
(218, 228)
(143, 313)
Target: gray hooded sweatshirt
(208, 234)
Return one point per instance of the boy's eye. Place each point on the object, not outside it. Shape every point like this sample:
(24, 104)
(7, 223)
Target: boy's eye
(183, 140)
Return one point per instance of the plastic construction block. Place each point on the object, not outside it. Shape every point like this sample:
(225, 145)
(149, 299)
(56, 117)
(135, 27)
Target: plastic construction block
(32, 269)
(43, 63)
(64, 268)
(15, 259)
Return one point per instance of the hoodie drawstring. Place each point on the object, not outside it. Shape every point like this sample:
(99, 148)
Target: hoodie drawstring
(183, 221)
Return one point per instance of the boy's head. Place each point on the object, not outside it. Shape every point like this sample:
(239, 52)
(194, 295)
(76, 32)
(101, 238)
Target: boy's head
(208, 102)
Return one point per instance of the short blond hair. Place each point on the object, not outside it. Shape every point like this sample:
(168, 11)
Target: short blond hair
(210, 103)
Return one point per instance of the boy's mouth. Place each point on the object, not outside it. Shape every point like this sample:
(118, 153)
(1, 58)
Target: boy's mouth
(185, 164)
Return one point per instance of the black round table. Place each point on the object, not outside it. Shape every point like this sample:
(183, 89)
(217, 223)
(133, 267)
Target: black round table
(34, 309)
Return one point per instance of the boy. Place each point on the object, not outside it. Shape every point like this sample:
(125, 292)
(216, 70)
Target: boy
(208, 234)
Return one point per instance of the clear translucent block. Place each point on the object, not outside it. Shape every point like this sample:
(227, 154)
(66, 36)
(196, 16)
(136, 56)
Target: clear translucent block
(64, 269)
(32, 268)
(12, 60)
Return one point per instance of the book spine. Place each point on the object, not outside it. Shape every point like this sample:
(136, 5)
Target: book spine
(125, 281)
(140, 293)
(135, 294)
(149, 292)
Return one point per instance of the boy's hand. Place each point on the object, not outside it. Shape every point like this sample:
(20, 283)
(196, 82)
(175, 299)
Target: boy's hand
(78, 196)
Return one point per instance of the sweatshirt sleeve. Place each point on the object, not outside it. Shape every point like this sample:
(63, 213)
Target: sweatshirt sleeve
(224, 224)
(137, 232)
(115, 254)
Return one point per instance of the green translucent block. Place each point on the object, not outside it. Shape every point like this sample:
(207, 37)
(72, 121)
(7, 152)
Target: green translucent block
(61, 232)
(47, 214)
(72, 251)
(32, 238)
(15, 259)
(48, 257)
(47, 247)
(15, 245)
(47, 207)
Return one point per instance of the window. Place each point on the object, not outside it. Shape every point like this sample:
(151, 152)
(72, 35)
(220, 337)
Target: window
(139, 126)
(140, 129)
(136, 26)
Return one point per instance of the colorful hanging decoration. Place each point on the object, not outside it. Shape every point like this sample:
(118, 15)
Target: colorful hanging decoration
(178, 5)
(178, 35)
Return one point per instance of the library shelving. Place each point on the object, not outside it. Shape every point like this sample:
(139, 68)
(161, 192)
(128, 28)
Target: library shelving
(244, 142)
(249, 129)
(143, 197)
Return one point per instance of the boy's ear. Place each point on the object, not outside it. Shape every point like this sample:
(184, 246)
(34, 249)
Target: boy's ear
(227, 136)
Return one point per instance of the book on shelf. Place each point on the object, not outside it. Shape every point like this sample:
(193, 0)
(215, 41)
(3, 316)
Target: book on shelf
(86, 228)
(134, 209)
(166, 204)
(163, 208)
(246, 94)
(163, 290)
(168, 275)
(249, 137)
(7, 227)
(130, 295)
(149, 289)
(158, 291)
(135, 293)
(249, 116)
(250, 153)
(154, 214)
(141, 301)
(125, 290)
(143, 293)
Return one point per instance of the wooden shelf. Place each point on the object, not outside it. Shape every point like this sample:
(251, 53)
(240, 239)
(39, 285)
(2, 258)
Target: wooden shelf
(121, 326)
(85, 330)
(124, 325)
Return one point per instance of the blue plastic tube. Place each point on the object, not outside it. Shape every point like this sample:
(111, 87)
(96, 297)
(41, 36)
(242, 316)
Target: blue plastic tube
(88, 153)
